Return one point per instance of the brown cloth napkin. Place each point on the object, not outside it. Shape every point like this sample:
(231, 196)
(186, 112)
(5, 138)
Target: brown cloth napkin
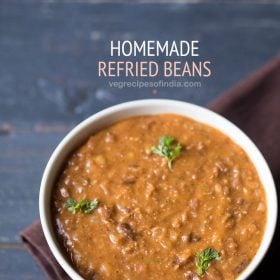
(35, 242)
(254, 106)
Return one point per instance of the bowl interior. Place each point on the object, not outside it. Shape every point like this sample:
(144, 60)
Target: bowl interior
(147, 107)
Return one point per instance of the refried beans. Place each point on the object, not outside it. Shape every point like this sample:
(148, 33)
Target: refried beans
(159, 197)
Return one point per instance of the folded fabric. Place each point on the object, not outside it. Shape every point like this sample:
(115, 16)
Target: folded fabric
(35, 242)
(254, 106)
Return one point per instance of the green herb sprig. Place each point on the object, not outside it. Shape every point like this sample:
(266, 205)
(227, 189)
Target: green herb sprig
(85, 206)
(168, 149)
(204, 258)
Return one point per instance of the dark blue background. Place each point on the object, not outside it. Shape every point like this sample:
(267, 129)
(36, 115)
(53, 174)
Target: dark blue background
(48, 82)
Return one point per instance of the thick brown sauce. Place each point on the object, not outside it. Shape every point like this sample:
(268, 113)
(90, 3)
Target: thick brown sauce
(151, 221)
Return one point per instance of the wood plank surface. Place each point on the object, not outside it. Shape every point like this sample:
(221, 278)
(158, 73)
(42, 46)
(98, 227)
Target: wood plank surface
(48, 81)
(18, 264)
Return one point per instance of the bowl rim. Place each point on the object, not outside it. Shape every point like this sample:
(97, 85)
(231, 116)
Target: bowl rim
(83, 131)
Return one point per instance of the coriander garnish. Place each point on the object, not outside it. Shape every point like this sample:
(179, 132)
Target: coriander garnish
(204, 258)
(168, 149)
(86, 206)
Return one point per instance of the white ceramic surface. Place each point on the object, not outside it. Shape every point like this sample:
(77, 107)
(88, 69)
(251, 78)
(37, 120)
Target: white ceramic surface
(147, 107)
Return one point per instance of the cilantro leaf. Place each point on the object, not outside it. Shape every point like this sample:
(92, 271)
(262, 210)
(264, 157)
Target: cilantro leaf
(85, 206)
(72, 205)
(204, 258)
(168, 149)
(88, 206)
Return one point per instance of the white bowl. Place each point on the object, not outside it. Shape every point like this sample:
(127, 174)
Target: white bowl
(147, 107)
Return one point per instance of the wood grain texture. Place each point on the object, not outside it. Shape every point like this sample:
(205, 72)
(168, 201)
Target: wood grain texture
(48, 81)
(18, 264)
(49, 52)
(23, 158)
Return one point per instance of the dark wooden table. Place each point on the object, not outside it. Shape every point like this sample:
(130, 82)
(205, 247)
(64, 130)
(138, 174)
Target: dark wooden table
(48, 82)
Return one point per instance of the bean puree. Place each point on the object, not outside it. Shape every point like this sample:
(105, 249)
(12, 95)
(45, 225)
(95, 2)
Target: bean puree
(123, 211)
